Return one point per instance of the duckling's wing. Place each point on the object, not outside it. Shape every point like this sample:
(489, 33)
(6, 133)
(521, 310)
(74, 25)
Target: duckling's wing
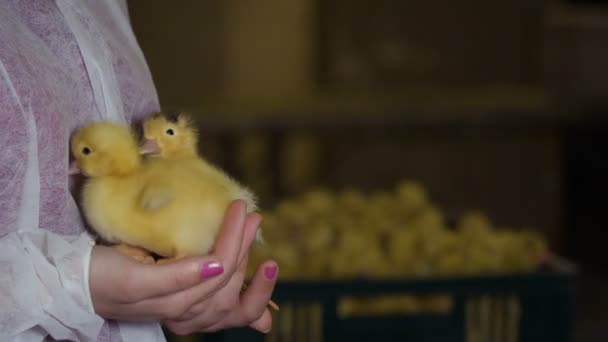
(155, 195)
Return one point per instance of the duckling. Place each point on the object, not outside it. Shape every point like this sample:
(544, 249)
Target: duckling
(174, 137)
(158, 206)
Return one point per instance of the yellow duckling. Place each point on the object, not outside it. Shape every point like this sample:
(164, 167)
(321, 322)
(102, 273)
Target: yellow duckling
(174, 137)
(158, 206)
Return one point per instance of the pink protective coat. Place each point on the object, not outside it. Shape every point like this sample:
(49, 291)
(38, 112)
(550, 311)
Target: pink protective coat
(63, 64)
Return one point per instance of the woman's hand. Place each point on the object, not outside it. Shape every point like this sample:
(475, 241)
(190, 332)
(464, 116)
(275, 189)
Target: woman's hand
(189, 295)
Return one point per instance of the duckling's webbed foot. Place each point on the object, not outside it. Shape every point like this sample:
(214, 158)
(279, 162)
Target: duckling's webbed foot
(136, 253)
(171, 259)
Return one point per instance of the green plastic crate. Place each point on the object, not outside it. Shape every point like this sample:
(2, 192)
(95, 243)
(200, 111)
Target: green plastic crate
(527, 307)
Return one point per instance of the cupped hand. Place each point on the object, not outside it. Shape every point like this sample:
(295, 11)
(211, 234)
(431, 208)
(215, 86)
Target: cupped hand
(197, 294)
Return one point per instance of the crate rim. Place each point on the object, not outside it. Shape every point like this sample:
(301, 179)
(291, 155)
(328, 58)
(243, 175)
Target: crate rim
(532, 283)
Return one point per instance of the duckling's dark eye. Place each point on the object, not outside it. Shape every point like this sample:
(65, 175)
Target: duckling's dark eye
(86, 151)
(169, 131)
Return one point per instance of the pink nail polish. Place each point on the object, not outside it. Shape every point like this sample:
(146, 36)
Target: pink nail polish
(211, 269)
(270, 272)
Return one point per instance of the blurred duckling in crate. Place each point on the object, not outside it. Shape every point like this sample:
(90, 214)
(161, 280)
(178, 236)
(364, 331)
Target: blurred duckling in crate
(318, 203)
(411, 197)
(451, 258)
(351, 201)
(482, 248)
(381, 213)
(500, 250)
(474, 225)
(402, 247)
(525, 251)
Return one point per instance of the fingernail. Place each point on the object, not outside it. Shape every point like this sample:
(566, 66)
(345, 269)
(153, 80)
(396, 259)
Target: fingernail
(270, 272)
(211, 269)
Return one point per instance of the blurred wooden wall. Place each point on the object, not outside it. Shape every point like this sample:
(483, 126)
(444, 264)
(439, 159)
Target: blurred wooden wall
(274, 51)
(185, 46)
(237, 49)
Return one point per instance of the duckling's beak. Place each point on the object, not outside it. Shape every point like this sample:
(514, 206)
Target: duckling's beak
(73, 169)
(149, 146)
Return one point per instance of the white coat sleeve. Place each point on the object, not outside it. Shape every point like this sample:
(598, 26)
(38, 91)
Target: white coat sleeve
(44, 288)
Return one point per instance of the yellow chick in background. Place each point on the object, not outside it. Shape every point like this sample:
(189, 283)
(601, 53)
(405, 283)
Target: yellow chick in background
(160, 206)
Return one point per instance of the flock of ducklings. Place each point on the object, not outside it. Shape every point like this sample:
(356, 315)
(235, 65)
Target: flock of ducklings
(322, 235)
(325, 235)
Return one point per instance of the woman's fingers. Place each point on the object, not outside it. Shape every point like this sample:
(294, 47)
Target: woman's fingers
(228, 245)
(251, 310)
(118, 284)
(156, 281)
(200, 292)
(207, 313)
(264, 323)
(252, 224)
(235, 283)
(254, 301)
